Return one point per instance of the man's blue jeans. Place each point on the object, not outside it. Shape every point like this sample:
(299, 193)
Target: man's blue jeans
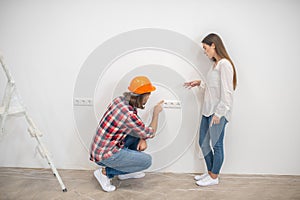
(212, 136)
(127, 160)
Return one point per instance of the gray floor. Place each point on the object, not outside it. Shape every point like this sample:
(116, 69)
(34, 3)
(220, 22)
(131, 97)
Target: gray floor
(19, 183)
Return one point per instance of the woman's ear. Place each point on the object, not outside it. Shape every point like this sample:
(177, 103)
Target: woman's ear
(213, 45)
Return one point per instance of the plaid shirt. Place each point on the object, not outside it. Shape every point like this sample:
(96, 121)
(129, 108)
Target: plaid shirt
(117, 122)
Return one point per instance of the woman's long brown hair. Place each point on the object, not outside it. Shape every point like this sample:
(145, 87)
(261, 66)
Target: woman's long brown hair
(221, 51)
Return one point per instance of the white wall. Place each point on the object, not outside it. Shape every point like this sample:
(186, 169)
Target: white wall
(45, 43)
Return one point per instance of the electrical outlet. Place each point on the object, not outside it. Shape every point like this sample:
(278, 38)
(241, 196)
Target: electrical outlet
(172, 104)
(83, 102)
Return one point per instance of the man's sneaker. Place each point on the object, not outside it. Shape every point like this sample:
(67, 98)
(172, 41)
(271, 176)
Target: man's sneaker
(131, 175)
(200, 177)
(104, 181)
(207, 181)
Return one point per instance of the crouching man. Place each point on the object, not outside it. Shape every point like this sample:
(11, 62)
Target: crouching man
(113, 148)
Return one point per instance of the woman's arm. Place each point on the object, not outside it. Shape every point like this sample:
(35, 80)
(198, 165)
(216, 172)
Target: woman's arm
(194, 83)
(226, 76)
(191, 84)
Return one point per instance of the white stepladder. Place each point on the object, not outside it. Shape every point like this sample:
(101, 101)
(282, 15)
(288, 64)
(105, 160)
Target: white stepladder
(8, 109)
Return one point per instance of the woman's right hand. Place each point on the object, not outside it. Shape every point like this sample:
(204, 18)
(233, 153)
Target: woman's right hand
(191, 84)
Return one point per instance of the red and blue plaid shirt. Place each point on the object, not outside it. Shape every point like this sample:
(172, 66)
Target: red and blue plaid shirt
(117, 122)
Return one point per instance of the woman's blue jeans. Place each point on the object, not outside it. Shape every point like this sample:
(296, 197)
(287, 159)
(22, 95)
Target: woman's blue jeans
(212, 136)
(127, 160)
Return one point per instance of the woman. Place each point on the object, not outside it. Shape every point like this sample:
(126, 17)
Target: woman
(217, 106)
(113, 147)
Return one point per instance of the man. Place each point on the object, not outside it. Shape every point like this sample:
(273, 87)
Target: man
(113, 147)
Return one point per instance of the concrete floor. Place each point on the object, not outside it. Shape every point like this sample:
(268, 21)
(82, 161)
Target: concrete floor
(19, 183)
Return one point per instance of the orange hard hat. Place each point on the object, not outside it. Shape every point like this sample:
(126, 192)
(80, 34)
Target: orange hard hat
(141, 85)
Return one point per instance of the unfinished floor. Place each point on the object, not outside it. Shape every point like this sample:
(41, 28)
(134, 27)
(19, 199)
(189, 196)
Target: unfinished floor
(19, 183)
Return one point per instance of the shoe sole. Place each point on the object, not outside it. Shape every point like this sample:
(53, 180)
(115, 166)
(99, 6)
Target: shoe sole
(207, 185)
(136, 177)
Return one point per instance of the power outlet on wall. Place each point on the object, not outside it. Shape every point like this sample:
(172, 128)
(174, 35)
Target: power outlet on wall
(83, 102)
(172, 104)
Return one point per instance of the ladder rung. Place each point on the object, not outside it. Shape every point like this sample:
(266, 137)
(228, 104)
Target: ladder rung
(16, 112)
(34, 132)
(12, 110)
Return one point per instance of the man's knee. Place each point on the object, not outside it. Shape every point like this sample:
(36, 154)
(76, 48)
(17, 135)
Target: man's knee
(147, 161)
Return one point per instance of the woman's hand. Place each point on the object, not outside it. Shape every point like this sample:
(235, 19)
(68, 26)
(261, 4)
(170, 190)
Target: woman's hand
(215, 120)
(191, 84)
(142, 145)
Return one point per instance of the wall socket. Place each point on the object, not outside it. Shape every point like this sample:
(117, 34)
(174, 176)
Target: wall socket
(83, 101)
(172, 104)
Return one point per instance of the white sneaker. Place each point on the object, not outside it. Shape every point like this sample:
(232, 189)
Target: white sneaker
(104, 181)
(200, 177)
(207, 181)
(131, 175)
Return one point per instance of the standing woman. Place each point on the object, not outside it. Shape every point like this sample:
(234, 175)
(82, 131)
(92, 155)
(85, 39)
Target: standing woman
(217, 107)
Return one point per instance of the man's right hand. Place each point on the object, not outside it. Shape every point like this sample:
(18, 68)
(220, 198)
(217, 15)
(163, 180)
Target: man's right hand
(158, 107)
(156, 110)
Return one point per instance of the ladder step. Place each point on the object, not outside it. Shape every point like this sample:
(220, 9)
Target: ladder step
(12, 110)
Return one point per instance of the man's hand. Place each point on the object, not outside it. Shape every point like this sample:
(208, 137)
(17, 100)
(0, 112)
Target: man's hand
(142, 145)
(156, 110)
(158, 107)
